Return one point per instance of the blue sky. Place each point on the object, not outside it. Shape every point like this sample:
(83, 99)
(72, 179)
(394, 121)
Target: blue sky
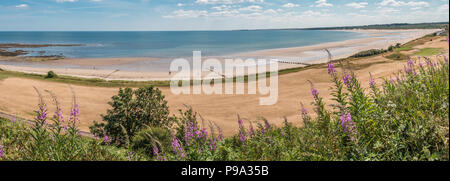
(133, 15)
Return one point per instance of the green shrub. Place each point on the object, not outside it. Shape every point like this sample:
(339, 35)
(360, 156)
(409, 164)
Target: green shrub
(50, 74)
(147, 139)
(370, 53)
(133, 110)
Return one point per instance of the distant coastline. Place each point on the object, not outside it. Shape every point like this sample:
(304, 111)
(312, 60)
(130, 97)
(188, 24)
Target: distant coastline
(391, 26)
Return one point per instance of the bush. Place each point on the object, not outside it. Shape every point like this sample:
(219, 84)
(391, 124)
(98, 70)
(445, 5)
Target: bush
(369, 53)
(391, 48)
(50, 74)
(132, 111)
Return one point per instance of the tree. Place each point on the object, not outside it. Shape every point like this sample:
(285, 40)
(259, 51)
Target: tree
(132, 111)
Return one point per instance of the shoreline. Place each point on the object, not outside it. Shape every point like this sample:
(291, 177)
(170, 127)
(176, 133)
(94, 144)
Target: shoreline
(138, 67)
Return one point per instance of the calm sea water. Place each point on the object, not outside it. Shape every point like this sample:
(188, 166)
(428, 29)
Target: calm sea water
(170, 44)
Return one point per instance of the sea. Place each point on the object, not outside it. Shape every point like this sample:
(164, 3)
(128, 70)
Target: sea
(168, 44)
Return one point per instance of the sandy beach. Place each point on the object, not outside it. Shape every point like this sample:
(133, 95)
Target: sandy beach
(148, 69)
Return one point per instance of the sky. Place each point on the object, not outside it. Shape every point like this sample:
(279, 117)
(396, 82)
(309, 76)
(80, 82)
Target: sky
(175, 15)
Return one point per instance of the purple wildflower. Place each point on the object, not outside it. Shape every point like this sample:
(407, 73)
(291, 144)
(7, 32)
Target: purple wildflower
(204, 133)
(251, 131)
(1, 151)
(59, 115)
(446, 59)
(42, 113)
(371, 81)
(410, 63)
(242, 135)
(346, 120)
(52, 138)
(13, 119)
(106, 139)
(304, 111)
(408, 70)
(347, 80)
(177, 147)
(240, 122)
(74, 112)
(428, 62)
(197, 133)
(348, 124)
(155, 150)
(315, 93)
(191, 130)
(212, 144)
(130, 155)
(267, 124)
(331, 68)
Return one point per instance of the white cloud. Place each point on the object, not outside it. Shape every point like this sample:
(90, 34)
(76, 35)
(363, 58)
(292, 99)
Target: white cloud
(323, 3)
(180, 4)
(357, 5)
(290, 5)
(221, 8)
(314, 14)
(227, 1)
(270, 11)
(443, 9)
(403, 3)
(61, 1)
(251, 8)
(225, 13)
(387, 10)
(22, 6)
(187, 14)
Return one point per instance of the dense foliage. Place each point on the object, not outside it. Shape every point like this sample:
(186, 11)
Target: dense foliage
(131, 111)
(370, 52)
(52, 138)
